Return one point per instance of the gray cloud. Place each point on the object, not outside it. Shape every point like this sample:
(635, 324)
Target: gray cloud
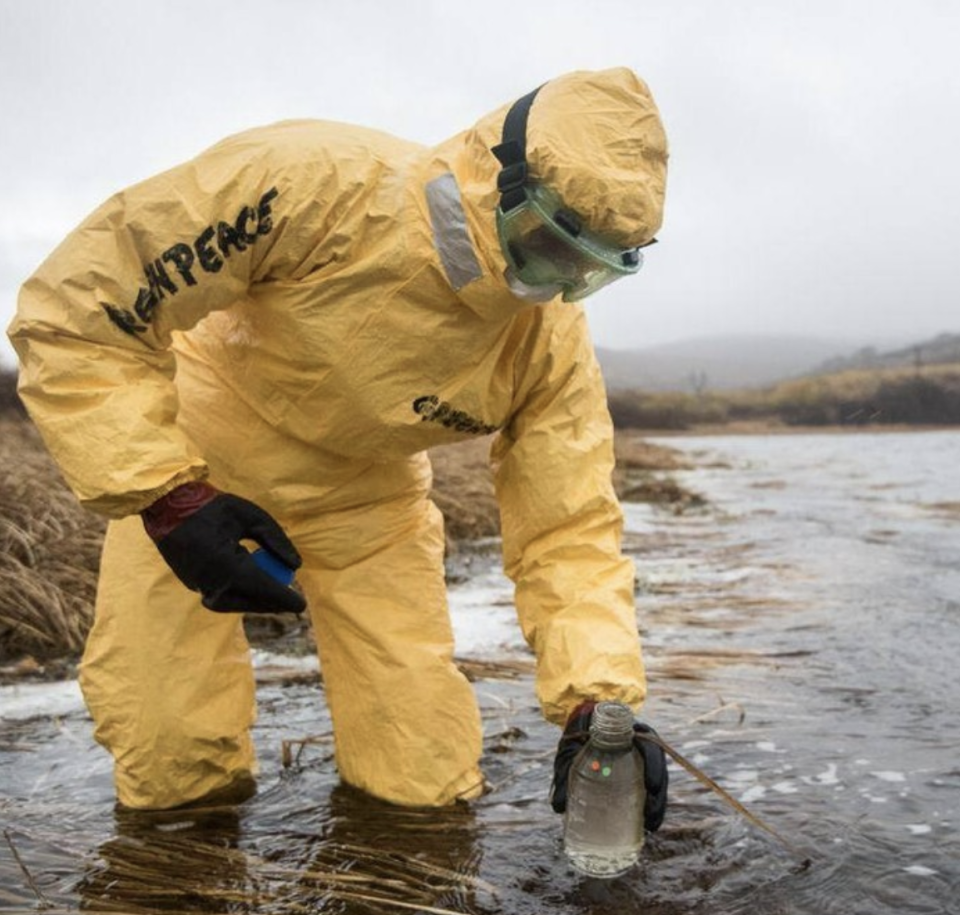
(813, 186)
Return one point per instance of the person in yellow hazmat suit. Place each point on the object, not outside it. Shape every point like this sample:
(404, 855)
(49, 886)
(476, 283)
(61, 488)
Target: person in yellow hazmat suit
(261, 344)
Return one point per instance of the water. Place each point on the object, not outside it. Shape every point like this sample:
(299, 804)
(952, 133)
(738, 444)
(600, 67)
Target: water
(831, 561)
(602, 861)
(801, 634)
(603, 826)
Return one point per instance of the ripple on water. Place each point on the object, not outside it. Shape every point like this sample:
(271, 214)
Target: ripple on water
(804, 665)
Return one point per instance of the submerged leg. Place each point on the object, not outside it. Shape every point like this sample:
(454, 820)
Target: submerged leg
(169, 684)
(406, 723)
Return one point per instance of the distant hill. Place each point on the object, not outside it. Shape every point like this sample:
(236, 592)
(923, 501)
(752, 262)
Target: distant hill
(716, 363)
(941, 350)
(747, 361)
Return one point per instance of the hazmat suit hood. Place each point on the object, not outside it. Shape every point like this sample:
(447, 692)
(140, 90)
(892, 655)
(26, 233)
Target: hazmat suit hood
(593, 137)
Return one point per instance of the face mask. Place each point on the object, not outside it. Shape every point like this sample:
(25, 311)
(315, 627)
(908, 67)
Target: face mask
(537, 294)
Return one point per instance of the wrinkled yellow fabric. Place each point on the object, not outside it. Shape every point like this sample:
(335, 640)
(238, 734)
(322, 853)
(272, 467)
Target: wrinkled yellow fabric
(280, 314)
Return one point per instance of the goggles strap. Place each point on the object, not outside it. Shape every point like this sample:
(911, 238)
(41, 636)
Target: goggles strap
(512, 153)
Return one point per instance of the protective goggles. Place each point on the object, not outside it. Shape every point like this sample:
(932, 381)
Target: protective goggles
(544, 243)
(547, 245)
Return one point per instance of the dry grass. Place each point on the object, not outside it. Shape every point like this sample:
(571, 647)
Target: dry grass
(49, 552)
(338, 877)
(860, 384)
(914, 395)
(191, 861)
(463, 491)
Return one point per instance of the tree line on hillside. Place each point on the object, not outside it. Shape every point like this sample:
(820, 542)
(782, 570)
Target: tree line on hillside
(926, 395)
(940, 350)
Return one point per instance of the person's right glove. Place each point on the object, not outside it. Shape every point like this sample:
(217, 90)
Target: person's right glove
(656, 779)
(198, 530)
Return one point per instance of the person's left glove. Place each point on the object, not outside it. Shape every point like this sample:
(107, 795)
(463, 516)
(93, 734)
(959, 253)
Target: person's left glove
(198, 530)
(574, 737)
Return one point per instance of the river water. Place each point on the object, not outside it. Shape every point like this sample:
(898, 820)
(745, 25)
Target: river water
(802, 633)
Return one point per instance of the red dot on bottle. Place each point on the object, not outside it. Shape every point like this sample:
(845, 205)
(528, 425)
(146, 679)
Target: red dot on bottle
(595, 766)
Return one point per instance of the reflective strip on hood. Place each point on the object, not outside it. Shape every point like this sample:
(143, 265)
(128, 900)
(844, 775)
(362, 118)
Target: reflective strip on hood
(450, 235)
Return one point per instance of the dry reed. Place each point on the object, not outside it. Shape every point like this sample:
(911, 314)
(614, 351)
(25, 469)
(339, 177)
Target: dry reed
(166, 870)
(463, 491)
(49, 552)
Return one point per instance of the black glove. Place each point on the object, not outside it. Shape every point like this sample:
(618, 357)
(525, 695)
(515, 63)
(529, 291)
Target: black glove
(656, 779)
(198, 532)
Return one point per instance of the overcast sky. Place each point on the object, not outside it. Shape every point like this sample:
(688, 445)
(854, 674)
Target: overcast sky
(814, 183)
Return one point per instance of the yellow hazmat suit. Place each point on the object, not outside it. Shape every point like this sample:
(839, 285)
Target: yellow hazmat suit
(296, 315)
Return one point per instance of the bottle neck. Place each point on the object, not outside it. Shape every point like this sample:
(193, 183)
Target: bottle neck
(611, 725)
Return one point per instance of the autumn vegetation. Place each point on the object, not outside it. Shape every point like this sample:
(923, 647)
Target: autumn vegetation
(910, 396)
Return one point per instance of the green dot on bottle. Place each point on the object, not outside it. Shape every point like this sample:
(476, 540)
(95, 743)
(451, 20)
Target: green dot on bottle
(606, 770)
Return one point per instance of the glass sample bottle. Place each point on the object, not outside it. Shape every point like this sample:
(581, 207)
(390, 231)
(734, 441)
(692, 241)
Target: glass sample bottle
(603, 825)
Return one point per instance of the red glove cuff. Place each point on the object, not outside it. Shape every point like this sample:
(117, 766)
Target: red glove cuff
(584, 708)
(169, 511)
(578, 724)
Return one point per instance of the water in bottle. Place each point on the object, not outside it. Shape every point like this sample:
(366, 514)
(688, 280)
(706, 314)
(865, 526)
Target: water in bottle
(603, 824)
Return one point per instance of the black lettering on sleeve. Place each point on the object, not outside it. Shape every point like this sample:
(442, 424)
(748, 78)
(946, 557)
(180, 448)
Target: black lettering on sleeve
(210, 248)
(208, 257)
(158, 279)
(126, 321)
(245, 233)
(145, 305)
(227, 235)
(264, 214)
(181, 256)
(426, 405)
